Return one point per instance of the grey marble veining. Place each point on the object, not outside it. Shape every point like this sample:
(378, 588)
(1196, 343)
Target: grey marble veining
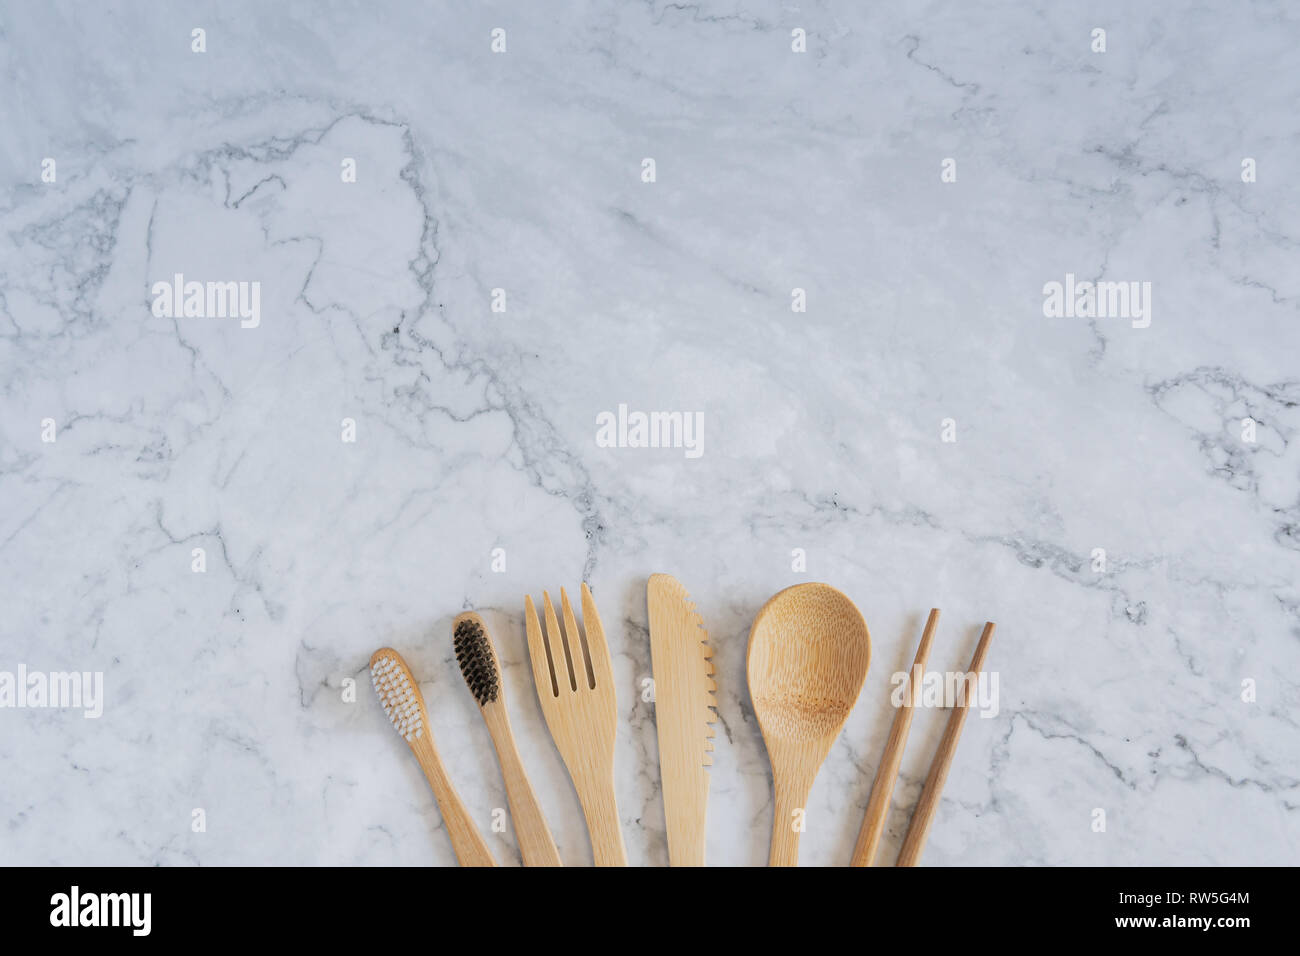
(1121, 689)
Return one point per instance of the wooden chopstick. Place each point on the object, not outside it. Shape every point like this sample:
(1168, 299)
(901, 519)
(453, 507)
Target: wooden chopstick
(923, 815)
(873, 822)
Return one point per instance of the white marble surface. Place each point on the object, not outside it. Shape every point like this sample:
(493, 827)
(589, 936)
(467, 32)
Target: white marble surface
(475, 430)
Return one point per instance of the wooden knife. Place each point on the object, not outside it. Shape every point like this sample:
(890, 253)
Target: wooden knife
(684, 712)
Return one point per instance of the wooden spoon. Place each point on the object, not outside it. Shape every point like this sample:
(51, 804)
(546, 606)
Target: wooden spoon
(809, 650)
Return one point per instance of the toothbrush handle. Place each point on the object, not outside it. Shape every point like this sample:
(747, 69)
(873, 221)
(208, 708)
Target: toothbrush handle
(471, 850)
(536, 845)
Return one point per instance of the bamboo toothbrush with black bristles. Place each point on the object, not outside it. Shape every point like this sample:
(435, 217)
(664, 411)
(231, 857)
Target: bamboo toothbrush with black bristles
(482, 672)
(404, 705)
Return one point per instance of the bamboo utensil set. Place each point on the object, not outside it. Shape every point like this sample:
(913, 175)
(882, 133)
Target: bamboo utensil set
(684, 712)
(577, 695)
(873, 823)
(923, 815)
(404, 705)
(478, 663)
(808, 655)
(809, 651)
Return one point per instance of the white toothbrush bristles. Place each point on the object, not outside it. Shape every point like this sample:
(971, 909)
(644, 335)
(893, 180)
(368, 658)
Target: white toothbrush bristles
(396, 692)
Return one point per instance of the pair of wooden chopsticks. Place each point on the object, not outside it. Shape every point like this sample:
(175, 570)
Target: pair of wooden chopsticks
(873, 824)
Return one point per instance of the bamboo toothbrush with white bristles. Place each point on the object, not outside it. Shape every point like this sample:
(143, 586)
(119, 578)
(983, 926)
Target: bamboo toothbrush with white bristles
(404, 705)
(482, 672)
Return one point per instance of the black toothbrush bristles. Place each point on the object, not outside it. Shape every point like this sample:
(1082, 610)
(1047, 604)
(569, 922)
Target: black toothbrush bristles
(477, 664)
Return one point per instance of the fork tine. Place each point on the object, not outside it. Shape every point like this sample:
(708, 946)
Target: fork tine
(576, 637)
(596, 644)
(539, 651)
(554, 630)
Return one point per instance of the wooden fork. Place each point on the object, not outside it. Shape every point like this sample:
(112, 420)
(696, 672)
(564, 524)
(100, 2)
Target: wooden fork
(576, 691)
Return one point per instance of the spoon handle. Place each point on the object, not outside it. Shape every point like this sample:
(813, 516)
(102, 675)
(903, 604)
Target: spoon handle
(788, 821)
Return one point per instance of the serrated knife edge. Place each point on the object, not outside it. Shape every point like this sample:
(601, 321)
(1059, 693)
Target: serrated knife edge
(684, 709)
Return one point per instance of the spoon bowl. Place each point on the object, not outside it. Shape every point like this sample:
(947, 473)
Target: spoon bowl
(809, 651)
